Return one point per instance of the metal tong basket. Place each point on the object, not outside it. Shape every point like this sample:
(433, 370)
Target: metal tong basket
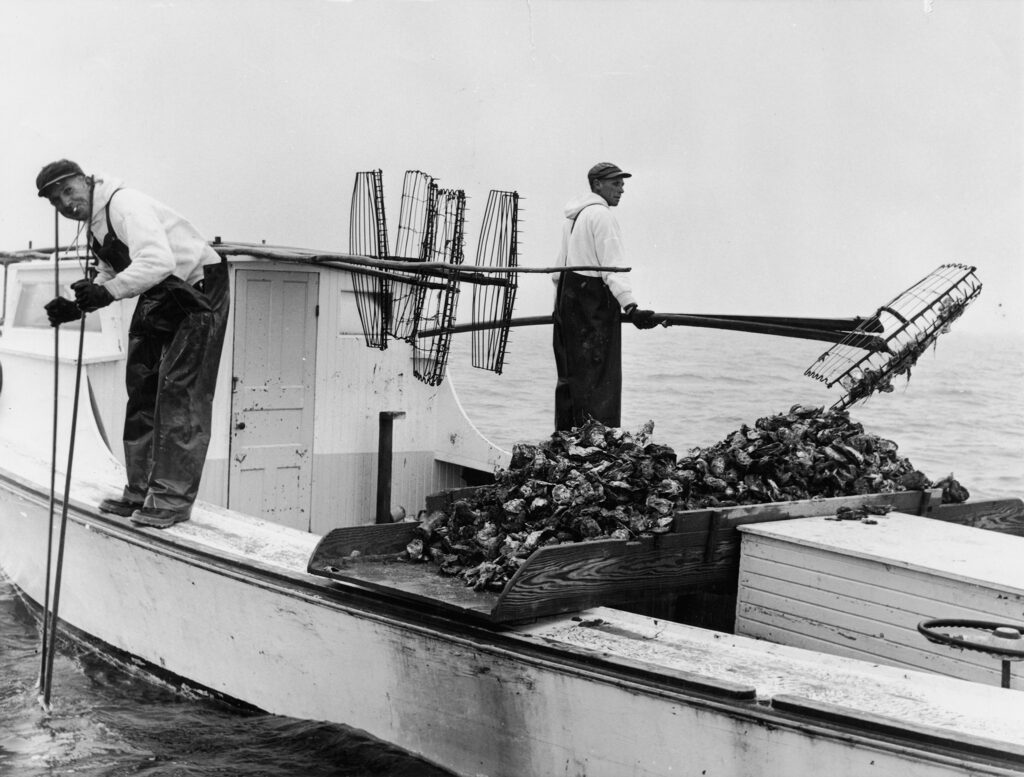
(910, 324)
(414, 296)
(368, 236)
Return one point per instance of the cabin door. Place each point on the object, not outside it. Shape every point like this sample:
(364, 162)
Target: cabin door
(272, 395)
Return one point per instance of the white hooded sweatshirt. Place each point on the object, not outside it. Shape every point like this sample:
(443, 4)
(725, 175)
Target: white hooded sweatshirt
(595, 239)
(159, 240)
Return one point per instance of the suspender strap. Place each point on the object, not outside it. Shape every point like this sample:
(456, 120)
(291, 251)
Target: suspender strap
(573, 218)
(110, 227)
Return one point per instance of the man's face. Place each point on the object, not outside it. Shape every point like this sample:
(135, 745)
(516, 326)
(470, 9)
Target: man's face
(71, 198)
(610, 189)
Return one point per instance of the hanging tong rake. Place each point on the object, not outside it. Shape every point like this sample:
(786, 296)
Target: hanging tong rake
(401, 298)
(438, 304)
(368, 236)
(417, 225)
(498, 247)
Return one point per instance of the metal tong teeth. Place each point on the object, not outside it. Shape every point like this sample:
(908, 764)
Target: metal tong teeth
(910, 323)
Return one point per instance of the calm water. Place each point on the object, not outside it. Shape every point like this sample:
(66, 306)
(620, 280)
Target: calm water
(962, 412)
(106, 722)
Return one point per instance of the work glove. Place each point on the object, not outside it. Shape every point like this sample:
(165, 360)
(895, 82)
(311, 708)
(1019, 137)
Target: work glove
(61, 310)
(641, 319)
(90, 296)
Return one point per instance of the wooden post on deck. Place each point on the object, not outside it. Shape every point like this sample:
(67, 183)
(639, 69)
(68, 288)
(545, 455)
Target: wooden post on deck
(384, 446)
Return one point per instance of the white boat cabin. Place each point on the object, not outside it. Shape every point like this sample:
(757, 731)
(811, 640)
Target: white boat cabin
(302, 405)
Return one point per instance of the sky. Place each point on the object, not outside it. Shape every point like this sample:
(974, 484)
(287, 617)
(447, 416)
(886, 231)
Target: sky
(788, 158)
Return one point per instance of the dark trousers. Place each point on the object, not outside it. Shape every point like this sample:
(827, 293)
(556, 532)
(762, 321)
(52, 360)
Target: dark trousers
(174, 346)
(587, 342)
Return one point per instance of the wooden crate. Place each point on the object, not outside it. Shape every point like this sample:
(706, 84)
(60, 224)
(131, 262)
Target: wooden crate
(860, 590)
(701, 553)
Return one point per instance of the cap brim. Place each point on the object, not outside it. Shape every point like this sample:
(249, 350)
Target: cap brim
(613, 176)
(54, 182)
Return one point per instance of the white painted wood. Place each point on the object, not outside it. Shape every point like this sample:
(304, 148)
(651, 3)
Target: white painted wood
(859, 686)
(867, 622)
(477, 706)
(860, 590)
(272, 395)
(352, 383)
(913, 542)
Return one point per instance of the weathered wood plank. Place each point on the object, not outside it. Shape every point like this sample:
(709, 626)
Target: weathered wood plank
(856, 587)
(667, 676)
(939, 549)
(718, 528)
(367, 556)
(803, 636)
(850, 687)
(999, 515)
(368, 540)
(842, 570)
(564, 578)
(798, 623)
(731, 517)
(883, 724)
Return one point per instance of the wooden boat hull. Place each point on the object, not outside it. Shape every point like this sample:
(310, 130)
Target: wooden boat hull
(474, 699)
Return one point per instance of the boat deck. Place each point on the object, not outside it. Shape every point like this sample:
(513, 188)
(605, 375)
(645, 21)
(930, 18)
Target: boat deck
(806, 680)
(212, 528)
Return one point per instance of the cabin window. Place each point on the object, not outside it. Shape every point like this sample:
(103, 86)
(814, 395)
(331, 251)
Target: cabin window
(30, 312)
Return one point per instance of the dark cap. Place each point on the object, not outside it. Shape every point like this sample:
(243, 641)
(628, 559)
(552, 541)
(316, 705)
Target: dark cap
(56, 172)
(605, 170)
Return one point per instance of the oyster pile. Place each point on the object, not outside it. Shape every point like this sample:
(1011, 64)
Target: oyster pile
(599, 482)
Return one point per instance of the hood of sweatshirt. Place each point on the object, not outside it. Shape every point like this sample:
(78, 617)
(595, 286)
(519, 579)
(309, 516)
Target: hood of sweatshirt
(104, 188)
(573, 207)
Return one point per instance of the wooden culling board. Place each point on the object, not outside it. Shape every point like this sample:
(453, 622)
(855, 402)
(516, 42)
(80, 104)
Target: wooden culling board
(702, 550)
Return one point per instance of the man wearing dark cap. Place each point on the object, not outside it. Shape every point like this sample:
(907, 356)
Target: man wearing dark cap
(146, 250)
(590, 305)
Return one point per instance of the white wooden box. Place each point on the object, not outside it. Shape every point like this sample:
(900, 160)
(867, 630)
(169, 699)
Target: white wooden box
(860, 590)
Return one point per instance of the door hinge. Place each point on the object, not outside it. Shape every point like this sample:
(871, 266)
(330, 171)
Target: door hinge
(316, 311)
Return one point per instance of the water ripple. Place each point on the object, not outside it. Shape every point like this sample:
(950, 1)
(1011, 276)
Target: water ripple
(962, 411)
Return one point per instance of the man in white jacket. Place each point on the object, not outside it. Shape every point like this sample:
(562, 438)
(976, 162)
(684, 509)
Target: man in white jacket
(589, 306)
(146, 250)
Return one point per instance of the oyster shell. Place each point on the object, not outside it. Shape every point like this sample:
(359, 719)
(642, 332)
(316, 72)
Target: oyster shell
(598, 482)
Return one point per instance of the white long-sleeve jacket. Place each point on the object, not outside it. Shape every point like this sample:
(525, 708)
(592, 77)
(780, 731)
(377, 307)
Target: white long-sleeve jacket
(160, 241)
(595, 240)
